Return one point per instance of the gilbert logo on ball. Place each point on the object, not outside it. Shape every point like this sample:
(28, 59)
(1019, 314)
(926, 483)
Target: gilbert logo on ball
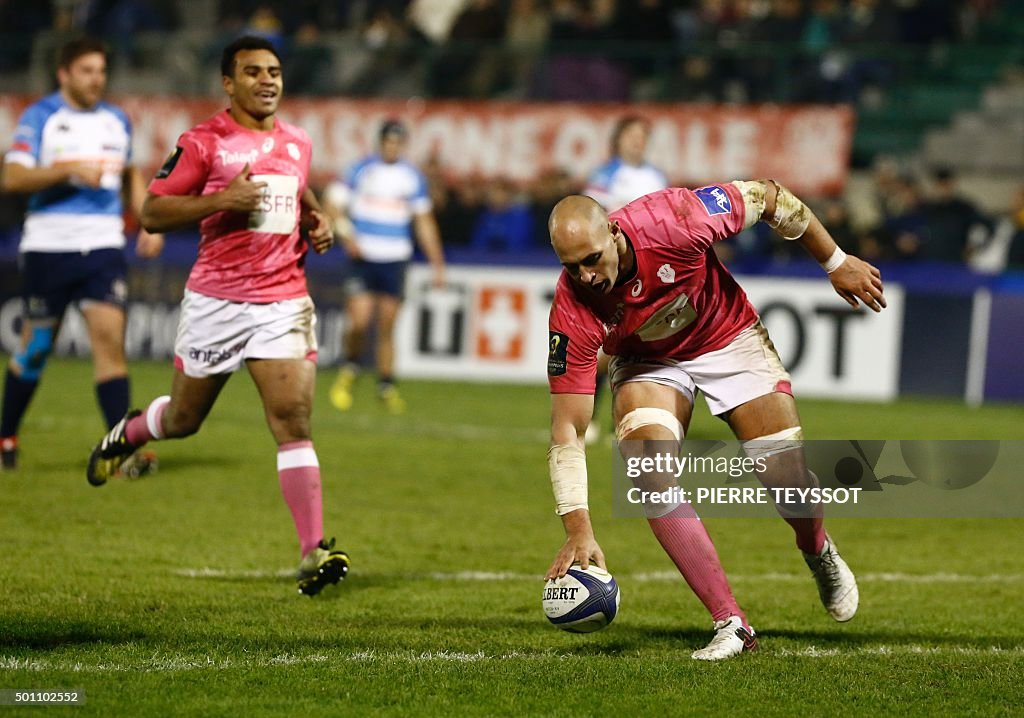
(581, 601)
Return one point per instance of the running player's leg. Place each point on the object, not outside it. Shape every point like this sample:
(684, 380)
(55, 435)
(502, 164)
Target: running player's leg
(101, 293)
(47, 280)
(166, 417)
(358, 313)
(21, 381)
(286, 387)
(106, 323)
(388, 306)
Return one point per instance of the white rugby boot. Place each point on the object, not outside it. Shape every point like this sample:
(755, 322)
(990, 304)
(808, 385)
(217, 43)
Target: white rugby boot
(837, 585)
(731, 639)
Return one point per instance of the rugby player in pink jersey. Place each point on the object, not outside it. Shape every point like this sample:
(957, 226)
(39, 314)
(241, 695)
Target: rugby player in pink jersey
(242, 175)
(644, 284)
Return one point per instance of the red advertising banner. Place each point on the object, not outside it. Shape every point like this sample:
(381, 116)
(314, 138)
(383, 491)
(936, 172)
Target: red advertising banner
(804, 146)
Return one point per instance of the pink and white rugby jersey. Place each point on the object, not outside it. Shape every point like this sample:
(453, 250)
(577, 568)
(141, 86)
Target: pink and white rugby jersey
(681, 302)
(257, 257)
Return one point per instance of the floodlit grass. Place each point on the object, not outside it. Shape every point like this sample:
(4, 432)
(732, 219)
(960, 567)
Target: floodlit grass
(172, 596)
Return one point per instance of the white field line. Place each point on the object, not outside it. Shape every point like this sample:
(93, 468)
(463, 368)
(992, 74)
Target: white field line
(180, 663)
(445, 430)
(642, 577)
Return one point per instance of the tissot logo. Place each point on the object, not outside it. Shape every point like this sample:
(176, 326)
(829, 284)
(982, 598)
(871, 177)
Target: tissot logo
(237, 158)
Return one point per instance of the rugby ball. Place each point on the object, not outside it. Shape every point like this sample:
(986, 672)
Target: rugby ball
(581, 601)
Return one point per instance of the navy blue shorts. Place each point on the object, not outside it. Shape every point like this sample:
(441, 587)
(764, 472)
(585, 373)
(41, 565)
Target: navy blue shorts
(53, 280)
(377, 277)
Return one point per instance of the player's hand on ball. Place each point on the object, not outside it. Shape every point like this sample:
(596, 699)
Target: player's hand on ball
(857, 281)
(581, 549)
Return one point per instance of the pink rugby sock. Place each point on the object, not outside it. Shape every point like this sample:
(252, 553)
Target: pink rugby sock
(146, 426)
(810, 533)
(299, 473)
(684, 538)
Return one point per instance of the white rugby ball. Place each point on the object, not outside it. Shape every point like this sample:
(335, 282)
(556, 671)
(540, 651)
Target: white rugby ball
(582, 601)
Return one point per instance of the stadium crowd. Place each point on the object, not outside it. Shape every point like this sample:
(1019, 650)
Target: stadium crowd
(705, 50)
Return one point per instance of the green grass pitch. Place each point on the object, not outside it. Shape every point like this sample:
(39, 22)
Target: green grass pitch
(171, 596)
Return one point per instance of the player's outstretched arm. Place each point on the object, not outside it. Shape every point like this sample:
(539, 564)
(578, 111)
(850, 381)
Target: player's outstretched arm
(567, 464)
(854, 280)
(162, 213)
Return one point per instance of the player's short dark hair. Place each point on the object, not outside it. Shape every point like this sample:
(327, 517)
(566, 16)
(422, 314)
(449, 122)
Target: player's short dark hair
(622, 125)
(246, 42)
(74, 49)
(393, 126)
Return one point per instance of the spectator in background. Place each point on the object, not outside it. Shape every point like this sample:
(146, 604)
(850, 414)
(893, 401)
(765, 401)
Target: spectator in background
(505, 224)
(904, 231)
(646, 25)
(384, 200)
(265, 22)
(1003, 247)
(575, 71)
(627, 175)
(546, 191)
(950, 220)
(469, 66)
(526, 32)
(466, 201)
(21, 22)
(1015, 222)
(310, 63)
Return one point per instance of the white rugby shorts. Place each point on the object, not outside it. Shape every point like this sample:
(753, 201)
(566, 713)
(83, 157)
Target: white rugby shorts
(216, 335)
(748, 367)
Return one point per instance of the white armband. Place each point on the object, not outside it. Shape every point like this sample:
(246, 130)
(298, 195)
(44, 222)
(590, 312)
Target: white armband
(791, 217)
(833, 263)
(567, 465)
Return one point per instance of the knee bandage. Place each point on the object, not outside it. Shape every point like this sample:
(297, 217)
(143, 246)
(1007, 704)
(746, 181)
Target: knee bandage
(567, 465)
(647, 416)
(31, 360)
(771, 444)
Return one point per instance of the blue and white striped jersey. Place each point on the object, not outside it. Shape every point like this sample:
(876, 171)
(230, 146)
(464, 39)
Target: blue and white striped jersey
(382, 198)
(66, 218)
(615, 183)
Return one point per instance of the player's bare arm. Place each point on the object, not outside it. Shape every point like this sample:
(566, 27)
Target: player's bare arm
(429, 238)
(162, 213)
(316, 222)
(22, 179)
(854, 280)
(148, 244)
(570, 414)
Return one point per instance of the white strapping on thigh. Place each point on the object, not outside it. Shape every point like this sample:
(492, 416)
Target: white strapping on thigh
(649, 416)
(771, 444)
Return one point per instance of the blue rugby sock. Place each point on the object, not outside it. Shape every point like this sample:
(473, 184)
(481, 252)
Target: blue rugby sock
(114, 396)
(17, 396)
